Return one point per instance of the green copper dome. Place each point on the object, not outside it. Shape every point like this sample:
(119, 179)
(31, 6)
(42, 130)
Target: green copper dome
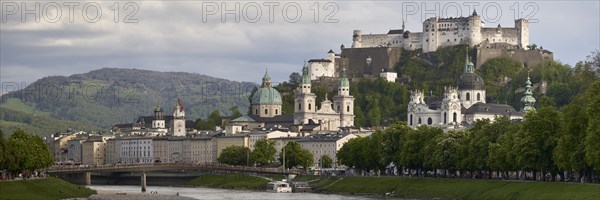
(266, 94)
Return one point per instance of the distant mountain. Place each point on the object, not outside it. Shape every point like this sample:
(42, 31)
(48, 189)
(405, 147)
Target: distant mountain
(110, 96)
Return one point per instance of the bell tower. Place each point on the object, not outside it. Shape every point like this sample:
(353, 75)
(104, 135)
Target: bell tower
(305, 102)
(343, 103)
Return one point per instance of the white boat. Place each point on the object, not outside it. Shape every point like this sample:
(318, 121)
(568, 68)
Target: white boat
(279, 187)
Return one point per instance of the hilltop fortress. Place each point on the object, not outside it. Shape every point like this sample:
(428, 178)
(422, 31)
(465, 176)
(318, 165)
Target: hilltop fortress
(441, 32)
(372, 55)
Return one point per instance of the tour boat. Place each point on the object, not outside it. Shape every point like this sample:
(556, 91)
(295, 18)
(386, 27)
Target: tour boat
(279, 187)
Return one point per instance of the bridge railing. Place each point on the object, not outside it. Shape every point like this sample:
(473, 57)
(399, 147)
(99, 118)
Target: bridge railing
(154, 166)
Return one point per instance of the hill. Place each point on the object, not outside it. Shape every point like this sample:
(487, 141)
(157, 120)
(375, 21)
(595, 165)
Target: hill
(110, 96)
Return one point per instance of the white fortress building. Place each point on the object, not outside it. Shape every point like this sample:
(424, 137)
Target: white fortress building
(442, 32)
(325, 67)
(331, 116)
(462, 106)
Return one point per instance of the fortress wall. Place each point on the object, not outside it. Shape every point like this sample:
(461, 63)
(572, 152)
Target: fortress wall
(381, 40)
(382, 57)
(529, 58)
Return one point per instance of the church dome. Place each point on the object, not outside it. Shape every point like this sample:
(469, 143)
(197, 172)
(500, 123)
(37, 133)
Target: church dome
(266, 95)
(471, 81)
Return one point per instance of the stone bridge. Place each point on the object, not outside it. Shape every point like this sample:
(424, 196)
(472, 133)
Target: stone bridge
(141, 170)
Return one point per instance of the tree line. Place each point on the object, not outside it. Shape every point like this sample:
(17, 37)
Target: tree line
(548, 143)
(23, 153)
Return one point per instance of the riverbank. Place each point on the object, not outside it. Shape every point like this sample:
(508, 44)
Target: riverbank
(233, 181)
(50, 188)
(422, 188)
(457, 188)
(111, 195)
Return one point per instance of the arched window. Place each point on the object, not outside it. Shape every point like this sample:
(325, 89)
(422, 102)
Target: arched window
(299, 106)
(266, 111)
(410, 120)
(309, 106)
(429, 121)
(338, 108)
(277, 111)
(347, 108)
(454, 117)
(419, 121)
(256, 111)
(468, 96)
(445, 118)
(478, 97)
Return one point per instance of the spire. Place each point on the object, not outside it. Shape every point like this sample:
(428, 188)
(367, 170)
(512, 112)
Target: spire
(474, 12)
(469, 67)
(305, 75)
(403, 27)
(528, 100)
(179, 105)
(343, 79)
(266, 80)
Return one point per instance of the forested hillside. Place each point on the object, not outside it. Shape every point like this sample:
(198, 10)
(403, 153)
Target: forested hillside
(378, 102)
(108, 96)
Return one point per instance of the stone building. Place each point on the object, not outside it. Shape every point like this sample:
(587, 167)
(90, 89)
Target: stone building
(441, 32)
(324, 144)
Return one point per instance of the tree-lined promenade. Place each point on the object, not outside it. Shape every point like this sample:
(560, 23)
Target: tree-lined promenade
(550, 144)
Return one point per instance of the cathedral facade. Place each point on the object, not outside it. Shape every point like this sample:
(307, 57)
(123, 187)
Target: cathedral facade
(332, 115)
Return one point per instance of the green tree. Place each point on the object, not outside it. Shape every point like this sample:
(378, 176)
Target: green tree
(537, 140)
(295, 156)
(569, 153)
(374, 112)
(592, 138)
(235, 155)
(264, 152)
(213, 120)
(30, 151)
(235, 112)
(443, 151)
(325, 161)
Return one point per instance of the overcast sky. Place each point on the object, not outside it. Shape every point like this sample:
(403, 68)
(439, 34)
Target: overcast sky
(191, 36)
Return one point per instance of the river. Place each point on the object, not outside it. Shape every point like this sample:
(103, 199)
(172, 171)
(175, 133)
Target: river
(210, 193)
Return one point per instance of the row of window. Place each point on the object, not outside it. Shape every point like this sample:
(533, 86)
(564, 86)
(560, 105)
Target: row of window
(430, 121)
(266, 111)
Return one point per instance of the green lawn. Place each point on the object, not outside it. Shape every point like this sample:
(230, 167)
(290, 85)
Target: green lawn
(230, 181)
(51, 188)
(461, 188)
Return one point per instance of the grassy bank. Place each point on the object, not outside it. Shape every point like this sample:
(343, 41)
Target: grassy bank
(51, 188)
(459, 188)
(230, 181)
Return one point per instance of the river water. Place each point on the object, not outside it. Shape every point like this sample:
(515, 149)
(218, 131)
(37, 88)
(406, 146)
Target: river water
(210, 193)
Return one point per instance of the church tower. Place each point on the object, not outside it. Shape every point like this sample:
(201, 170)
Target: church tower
(159, 121)
(451, 108)
(528, 100)
(417, 98)
(305, 102)
(343, 103)
(178, 119)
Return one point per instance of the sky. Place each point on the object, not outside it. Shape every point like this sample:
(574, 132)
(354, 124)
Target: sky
(239, 40)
